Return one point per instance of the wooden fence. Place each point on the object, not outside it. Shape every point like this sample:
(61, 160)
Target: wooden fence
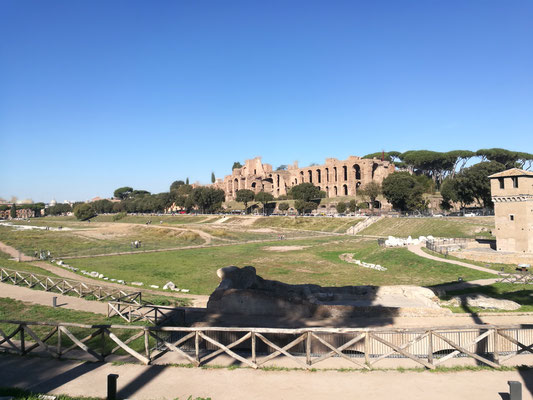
(519, 277)
(133, 312)
(254, 347)
(67, 286)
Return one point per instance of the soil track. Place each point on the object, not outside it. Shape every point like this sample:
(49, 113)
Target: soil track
(417, 249)
(166, 382)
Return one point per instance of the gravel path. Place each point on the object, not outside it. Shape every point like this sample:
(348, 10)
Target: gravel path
(417, 249)
(164, 382)
(45, 299)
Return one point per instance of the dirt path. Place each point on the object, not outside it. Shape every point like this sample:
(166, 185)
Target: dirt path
(45, 299)
(166, 382)
(417, 249)
(14, 252)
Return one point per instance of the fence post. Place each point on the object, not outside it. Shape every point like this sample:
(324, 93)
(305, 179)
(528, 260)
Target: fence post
(102, 342)
(112, 386)
(58, 342)
(496, 346)
(54, 301)
(22, 343)
(197, 346)
(308, 349)
(430, 347)
(515, 390)
(146, 343)
(254, 359)
(367, 348)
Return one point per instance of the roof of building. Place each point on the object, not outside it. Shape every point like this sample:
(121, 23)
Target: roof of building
(511, 172)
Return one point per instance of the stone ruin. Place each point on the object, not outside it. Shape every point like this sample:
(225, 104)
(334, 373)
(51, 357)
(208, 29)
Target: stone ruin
(242, 292)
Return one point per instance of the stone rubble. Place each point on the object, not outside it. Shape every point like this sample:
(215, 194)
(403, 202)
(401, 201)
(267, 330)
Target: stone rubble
(348, 257)
(95, 274)
(400, 242)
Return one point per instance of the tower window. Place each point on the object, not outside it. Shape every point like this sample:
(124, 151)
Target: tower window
(515, 181)
(511, 217)
(502, 183)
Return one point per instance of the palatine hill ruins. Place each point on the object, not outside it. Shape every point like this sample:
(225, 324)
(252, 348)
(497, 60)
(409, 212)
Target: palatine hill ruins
(335, 177)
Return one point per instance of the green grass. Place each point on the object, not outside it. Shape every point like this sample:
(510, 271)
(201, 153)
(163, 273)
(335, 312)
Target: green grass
(319, 263)
(438, 227)
(519, 293)
(324, 224)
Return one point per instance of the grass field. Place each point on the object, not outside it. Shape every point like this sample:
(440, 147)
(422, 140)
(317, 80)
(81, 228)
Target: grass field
(438, 227)
(97, 240)
(324, 224)
(317, 262)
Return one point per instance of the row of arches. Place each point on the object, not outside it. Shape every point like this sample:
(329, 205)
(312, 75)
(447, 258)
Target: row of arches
(325, 175)
(343, 190)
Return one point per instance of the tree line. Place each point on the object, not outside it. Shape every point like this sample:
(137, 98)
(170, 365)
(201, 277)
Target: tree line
(440, 165)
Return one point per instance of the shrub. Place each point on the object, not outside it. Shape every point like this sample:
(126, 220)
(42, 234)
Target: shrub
(119, 216)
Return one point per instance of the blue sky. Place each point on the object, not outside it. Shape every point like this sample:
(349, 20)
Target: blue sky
(95, 95)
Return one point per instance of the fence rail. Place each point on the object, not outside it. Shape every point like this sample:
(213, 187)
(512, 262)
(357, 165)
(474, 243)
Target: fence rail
(133, 312)
(67, 286)
(364, 347)
(520, 277)
(444, 246)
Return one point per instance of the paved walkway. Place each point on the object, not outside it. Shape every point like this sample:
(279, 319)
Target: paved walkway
(417, 249)
(45, 299)
(166, 382)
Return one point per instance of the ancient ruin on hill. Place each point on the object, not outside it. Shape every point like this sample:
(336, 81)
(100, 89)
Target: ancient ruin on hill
(335, 177)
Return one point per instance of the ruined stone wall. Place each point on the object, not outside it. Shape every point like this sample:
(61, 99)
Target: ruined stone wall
(335, 177)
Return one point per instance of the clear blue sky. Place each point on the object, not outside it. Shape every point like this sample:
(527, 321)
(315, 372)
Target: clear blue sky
(95, 95)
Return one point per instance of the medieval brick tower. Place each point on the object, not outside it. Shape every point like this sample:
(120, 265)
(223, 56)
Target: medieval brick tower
(512, 194)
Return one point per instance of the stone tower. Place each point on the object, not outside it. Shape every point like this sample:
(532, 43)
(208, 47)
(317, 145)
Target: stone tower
(512, 194)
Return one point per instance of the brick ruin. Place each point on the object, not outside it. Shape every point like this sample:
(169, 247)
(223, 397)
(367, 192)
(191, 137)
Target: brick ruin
(336, 178)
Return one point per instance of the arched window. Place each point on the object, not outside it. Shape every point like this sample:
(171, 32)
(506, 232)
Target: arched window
(345, 172)
(357, 171)
(345, 190)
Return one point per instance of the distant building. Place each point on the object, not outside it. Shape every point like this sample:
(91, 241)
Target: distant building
(512, 194)
(23, 213)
